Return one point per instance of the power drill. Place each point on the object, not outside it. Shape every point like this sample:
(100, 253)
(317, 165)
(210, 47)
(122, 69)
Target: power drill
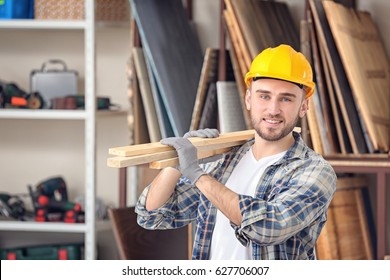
(50, 201)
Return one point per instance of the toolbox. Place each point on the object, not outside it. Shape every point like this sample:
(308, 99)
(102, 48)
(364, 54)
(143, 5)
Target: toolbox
(52, 252)
(52, 82)
(10, 9)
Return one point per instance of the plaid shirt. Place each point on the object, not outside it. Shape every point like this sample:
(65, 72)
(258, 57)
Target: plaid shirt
(284, 218)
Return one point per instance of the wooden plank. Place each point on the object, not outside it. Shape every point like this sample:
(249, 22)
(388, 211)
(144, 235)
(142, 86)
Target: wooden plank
(173, 49)
(236, 45)
(162, 114)
(365, 61)
(209, 117)
(346, 228)
(246, 21)
(147, 97)
(239, 77)
(208, 75)
(314, 132)
(206, 143)
(329, 136)
(343, 141)
(343, 89)
(175, 161)
(239, 33)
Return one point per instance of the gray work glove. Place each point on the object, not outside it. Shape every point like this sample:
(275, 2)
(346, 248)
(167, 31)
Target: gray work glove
(187, 152)
(205, 133)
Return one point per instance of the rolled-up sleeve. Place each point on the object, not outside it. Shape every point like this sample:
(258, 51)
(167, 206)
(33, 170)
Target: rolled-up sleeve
(177, 211)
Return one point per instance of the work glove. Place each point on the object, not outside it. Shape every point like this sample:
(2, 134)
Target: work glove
(187, 152)
(205, 133)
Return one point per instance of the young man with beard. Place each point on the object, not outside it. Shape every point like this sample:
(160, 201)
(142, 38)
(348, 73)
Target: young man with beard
(265, 200)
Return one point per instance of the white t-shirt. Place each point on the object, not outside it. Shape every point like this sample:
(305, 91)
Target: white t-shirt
(243, 180)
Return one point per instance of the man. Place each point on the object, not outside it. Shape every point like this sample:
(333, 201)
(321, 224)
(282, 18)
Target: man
(264, 200)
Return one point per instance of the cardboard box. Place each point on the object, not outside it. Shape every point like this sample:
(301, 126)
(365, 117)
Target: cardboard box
(113, 10)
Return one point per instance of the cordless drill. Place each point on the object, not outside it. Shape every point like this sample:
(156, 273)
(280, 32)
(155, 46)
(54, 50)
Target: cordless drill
(50, 201)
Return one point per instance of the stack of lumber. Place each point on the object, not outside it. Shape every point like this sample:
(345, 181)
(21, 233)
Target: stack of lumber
(159, 156)
(253, 26)
(346, 234)
(167, 66)
(352, 73)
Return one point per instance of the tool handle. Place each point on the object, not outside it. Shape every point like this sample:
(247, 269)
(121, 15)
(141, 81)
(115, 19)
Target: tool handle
(53, 61)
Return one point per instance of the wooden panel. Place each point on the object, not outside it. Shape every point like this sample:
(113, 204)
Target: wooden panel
(312, 121)
(329, 136)
(175, 55)
(345, 235)
(239, 76)
(366, 65)
(209, 117)
(162, 114)
(343, 90)
(146, 93)
(210, 63)
(137, 243)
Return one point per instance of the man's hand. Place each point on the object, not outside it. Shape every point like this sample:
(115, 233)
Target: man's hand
(187, 152)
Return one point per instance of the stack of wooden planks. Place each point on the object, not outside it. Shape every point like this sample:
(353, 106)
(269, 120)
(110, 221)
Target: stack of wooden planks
(346, 234)
(352, 74)
(159, 156)
(253, 26)
(168, 66)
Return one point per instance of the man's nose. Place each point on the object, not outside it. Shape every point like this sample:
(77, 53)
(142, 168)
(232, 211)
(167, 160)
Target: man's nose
(274, 107)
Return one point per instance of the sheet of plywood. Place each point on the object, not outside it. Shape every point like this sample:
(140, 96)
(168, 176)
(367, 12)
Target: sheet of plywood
(235, 43)
(343, 141)
(239, 33)
(366, 64)
(209, 117)
(208, 75)
(146, 93)
(329, 133)
(162, 114)
(342, 88)
(239, 77)
(173, 49)
(345, 235)
(313, 123)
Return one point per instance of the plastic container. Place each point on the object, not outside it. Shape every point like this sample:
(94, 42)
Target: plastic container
(16, 9)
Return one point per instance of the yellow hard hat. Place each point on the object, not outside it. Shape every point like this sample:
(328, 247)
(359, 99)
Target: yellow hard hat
(283, 63)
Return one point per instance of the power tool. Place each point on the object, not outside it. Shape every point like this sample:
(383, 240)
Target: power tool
(12, 96)
(50, 201)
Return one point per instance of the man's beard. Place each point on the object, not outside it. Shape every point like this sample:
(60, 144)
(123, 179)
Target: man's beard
(268, 134)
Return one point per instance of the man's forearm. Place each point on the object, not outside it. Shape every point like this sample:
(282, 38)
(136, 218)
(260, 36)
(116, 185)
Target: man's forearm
(162, 188)
(221, 197)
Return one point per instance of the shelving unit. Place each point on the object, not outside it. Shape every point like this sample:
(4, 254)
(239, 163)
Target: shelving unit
(88, 116)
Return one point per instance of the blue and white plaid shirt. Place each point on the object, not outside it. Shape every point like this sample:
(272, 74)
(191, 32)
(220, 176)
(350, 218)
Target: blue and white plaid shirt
(283, 220)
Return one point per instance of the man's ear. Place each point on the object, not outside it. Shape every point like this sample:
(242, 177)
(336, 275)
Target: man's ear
(304, 108)
(248, 99)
